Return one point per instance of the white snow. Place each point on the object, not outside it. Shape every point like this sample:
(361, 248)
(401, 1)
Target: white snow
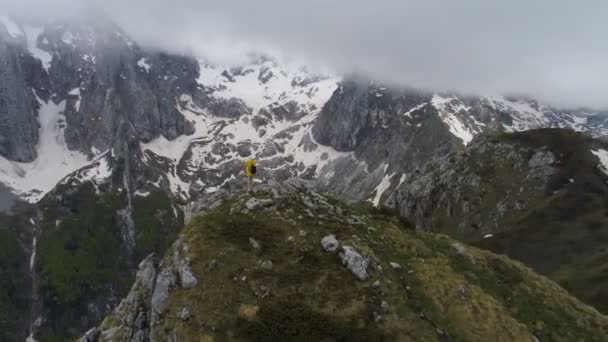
(402, 179)
(76, 92)
(143, 63)
(411, 111)
(448, 107)
(603, 157)
(99, 170)
(142, 193)
(382, 187)
(284, 84)
(12, 27)
(32, 181)
(210, 130)
(523, 114)
(32, 33)
(278, 88)
(89, 58)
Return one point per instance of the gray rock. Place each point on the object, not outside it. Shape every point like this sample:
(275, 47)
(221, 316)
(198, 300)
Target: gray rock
(187, 279)
(330, 243)
(254, 244)
(254, 203)
(212, 265)
(458, 249)
(164, 283)
(395, 266)
(266, 265)
(355, 262)
(384, 306)
(184, 314)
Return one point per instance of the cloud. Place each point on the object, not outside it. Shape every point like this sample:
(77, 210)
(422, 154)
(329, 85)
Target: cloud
(550, 49)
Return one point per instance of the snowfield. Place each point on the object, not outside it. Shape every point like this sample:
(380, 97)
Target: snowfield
(31, 181)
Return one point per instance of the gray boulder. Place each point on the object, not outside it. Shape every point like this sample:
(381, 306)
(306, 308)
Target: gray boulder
(254, 203)
(355, 262)
(330, 243)
(187, 279)
(164, 282)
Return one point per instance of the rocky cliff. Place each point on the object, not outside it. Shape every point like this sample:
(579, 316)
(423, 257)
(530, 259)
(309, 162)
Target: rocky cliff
(538, 196)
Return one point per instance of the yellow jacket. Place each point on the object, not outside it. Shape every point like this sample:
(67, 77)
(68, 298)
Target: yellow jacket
(249, 167)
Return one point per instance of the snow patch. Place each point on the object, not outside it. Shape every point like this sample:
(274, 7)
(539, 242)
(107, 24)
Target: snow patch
(141, 193)
(447, 108)
(382, 187)
(32, 181)
(32, 33)
(262, 84)
(411, 111)
(76, 92)
(143, 63)
(603, 157)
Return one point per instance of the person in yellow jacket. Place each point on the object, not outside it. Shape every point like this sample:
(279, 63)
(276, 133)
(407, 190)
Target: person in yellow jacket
(250, 171)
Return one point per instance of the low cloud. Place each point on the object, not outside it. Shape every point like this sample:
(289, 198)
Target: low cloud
(551, 49)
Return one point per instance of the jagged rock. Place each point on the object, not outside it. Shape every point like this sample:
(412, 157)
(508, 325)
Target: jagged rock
(330, 243)
(395, 266)
(164, 282)
(254, 203)
(376, 284)
(355, 262)
(187, 279)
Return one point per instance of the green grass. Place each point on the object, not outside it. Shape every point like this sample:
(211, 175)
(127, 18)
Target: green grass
(82, 257)
(13, 285)
(311, 295)
(156, 223)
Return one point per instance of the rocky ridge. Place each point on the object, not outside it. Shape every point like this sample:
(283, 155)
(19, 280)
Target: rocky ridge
(328, 278)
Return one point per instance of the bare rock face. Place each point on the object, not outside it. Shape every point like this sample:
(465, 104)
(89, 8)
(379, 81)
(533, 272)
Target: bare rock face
(101, 77)
(23, 83)
(465, 178)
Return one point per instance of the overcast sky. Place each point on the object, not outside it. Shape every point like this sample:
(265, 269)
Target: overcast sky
(555, 50)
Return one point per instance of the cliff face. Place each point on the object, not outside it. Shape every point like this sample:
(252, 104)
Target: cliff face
(538, 196)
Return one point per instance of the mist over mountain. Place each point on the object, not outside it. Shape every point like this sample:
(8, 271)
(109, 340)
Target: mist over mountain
(548, 50)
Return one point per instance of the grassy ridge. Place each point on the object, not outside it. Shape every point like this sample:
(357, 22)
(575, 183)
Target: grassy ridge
(438, 294)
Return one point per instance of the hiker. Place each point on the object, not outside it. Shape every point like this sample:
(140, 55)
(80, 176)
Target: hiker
(250, 171)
